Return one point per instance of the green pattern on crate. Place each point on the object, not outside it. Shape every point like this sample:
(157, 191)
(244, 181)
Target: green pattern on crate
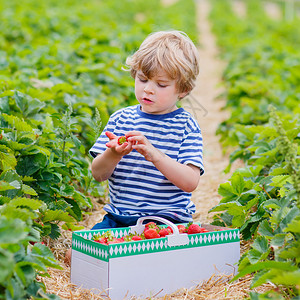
(81, 241)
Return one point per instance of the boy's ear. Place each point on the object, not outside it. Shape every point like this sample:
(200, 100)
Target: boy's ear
(182, 95)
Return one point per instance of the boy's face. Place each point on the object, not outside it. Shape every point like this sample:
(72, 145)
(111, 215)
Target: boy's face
(157, 95)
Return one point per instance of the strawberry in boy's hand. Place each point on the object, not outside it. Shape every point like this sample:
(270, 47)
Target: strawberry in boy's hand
(122, 140)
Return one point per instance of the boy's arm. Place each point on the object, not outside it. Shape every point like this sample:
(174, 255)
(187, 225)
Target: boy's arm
(104, 164)
(185, 177)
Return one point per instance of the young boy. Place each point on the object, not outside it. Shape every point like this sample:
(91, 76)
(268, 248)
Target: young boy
(157, 168)
(154, 172)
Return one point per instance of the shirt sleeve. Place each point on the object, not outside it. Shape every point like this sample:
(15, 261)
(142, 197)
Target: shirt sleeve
(191, 149)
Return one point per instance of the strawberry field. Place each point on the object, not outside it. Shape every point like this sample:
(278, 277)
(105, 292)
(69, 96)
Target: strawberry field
(61, 76)
(262, 91)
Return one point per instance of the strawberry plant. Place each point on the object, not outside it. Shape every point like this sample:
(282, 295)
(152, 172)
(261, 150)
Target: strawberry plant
(263, 197)
(20, 261)
(60, 78)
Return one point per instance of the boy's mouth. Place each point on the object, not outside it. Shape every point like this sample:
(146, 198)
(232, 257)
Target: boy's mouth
(146, 100)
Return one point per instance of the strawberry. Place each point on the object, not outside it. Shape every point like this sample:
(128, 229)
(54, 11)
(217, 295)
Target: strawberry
(101, 240)
(151, 225)
(122, 140)
(203, 230)
(181, 228)
(170, 228)
(136, 238)
(151, 234)
(194, 228)
(116, 241)
(163, 232)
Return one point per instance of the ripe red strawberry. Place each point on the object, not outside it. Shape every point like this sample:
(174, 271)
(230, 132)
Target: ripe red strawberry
(151, 234)
(163, 232)
(171, 230)
(194, 228)
(115, 241)
(136, 238)
(122, 140)
(151, 225)
(181, 228)
(102, 240)
(203, 230)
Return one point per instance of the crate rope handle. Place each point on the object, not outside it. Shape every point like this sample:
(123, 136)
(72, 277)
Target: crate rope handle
(175, 239)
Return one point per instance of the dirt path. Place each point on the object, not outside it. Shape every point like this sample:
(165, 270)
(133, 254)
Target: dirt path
(209, 116)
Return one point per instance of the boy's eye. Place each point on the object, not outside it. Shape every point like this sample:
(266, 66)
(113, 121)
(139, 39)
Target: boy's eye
(142, 79)
(162, 85)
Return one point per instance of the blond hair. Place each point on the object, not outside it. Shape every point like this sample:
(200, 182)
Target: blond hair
(172, 51)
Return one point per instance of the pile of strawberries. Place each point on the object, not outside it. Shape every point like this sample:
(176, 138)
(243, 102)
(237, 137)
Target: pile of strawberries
(151, 231)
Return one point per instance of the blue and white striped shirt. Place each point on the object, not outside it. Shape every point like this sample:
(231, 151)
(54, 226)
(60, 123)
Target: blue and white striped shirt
(136, 187)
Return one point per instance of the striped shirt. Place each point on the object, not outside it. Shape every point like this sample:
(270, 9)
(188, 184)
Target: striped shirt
(136, 187)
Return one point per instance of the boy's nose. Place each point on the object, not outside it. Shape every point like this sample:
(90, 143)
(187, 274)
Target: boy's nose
(148, 88)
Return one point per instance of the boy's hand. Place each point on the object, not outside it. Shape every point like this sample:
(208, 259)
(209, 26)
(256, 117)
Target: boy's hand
(141, 144)
(113, 144)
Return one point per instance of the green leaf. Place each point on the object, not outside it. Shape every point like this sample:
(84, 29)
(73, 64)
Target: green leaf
(265, 229)
(278, 240)
(26, 189)
(260, 244)
(254, 256)
(75, 210)
(292, 252)
(280, 180)
(55, 231)
(287, 278)
(57, 215)
(17, 123)
(27, 105)
(226, 190)
(28, 202)
(44, 255)
(293, 226)
(238, 183)
(6, 265)
(284, 266)
(7, 159)
(4, 186)
(25, 272)
(28, 165)
(10, 211)
(12, 230)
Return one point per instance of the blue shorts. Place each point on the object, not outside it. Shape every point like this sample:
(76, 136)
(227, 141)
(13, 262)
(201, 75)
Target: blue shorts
(115, 221)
